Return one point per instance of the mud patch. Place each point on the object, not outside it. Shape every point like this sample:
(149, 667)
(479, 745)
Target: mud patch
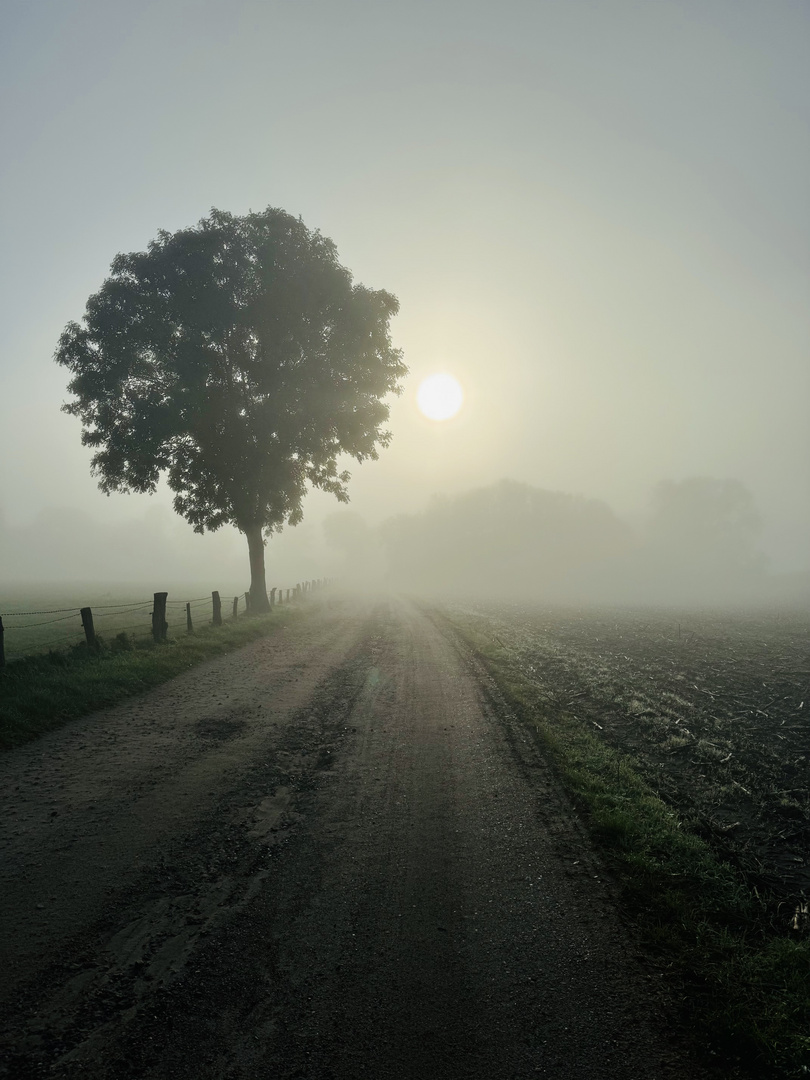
(219, 728)
(269, 812)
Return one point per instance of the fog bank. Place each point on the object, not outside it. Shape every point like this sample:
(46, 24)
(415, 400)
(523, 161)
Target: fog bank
(63, 545)
(698, 544)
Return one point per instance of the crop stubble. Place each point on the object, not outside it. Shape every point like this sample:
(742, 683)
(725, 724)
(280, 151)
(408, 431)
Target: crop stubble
(712, 707)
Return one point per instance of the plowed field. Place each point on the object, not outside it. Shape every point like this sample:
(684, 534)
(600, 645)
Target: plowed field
(713, 708)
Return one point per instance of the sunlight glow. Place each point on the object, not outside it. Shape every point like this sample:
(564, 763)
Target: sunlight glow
(440, 396)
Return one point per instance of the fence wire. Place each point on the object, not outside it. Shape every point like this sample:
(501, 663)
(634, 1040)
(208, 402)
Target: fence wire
(46, 622)
(134, 604)
(118, 611)
(68, 619)
(55, 641)
(55, 611)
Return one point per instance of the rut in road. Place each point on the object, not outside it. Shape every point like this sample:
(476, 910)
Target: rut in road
(389, 884)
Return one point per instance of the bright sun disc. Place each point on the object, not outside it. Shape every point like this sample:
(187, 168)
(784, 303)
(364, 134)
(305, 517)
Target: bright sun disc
(439, 397)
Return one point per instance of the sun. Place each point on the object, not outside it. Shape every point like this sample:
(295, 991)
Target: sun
(439, 396)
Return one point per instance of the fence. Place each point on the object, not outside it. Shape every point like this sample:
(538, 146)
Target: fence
(23, 633)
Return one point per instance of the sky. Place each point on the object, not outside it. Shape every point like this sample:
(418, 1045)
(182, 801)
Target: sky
(594, 213)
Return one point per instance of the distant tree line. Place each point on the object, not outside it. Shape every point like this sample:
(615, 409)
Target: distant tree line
(503, 540)
(699, 543)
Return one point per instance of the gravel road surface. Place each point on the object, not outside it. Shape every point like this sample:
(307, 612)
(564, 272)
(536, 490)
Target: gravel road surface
(330, 855)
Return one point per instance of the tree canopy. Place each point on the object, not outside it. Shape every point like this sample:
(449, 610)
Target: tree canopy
(238, 359)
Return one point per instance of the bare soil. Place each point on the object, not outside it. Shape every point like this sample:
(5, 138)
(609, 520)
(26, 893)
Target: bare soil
(332, 854)
(714, 708)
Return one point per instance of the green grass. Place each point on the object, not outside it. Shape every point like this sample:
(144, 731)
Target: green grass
(743, 986)
(43, 692)
(115, 609)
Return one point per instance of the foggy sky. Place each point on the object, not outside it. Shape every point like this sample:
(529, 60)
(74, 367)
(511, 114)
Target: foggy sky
(594, 215)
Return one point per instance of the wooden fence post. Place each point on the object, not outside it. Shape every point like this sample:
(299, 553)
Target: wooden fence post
(89, 630)
(159, 624)
(235, 606)
(217, 608)
(247, 603)
(288, 596)
(189, 624)
(2, 645)
(272, 599)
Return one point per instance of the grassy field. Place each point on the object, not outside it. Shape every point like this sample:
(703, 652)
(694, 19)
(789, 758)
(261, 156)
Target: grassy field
(684, 740)
(38, 619)
(50, 687)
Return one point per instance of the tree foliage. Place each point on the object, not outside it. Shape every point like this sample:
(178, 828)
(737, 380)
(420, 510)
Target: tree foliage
(238, 359)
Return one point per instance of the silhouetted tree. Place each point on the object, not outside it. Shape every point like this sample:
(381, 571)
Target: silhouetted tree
(238, 359)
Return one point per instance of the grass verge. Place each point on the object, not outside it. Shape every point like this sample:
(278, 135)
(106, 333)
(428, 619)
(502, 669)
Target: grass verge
(742, 985)
(43, 692)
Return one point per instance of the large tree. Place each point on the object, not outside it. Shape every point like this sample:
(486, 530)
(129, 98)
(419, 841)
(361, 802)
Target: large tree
(238, 359)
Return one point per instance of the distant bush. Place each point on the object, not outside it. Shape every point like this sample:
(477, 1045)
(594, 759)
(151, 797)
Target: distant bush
(122, 642)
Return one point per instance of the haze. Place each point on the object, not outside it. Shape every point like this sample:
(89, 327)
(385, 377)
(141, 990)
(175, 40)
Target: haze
(594, 215)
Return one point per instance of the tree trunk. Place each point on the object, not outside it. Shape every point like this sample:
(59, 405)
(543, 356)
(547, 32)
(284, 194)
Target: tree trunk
(258, 585)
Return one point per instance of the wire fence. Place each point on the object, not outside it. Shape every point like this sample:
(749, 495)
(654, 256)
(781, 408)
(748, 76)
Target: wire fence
(29, 632)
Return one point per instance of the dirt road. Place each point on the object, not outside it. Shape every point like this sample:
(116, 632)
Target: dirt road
(330, 855)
